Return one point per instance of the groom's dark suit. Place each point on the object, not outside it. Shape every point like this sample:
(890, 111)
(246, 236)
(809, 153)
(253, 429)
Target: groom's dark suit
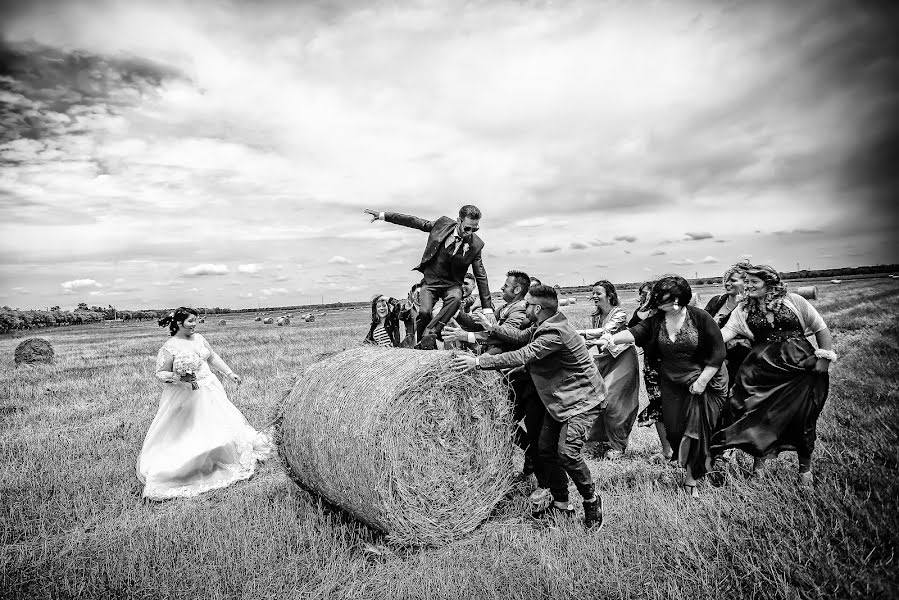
(444, 263)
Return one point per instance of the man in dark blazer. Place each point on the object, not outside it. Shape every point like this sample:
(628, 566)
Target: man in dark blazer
(571, 388)
(452, 247)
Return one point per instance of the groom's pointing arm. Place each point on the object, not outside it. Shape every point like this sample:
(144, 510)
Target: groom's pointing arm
(401, 219)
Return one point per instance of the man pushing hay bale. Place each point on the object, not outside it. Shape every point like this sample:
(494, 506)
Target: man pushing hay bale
(34, 350)
(401, 442)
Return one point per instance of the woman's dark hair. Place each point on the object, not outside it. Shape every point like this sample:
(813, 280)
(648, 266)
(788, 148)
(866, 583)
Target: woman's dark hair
(391, 303)
(673, 286)
(175, 319)
(611, 293)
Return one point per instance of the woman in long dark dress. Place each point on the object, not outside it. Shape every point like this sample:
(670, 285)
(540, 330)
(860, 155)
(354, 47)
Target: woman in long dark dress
(783, 383)
(720, 308)
(620, 371)
(652, 414)
(690, 348)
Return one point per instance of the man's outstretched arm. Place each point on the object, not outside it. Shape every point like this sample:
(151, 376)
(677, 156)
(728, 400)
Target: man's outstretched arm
(401, 219)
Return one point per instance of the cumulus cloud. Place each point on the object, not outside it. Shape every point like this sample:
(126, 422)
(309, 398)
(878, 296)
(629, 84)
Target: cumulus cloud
(205, 270)
(532, 222)
(698, 235)
(267, 292)
(626, 238)
(658, 253)
(579, 246)
(709, 260)
(549, 249)
(21, 290)
(79, 284)
(249, 269)
(338, 260)
(599, 242)
(682, 261)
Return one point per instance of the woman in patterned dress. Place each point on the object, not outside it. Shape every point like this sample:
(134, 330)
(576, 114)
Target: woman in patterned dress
(721, 306)
(693, 380)
(198, 441)
(652, 414)
(783, 383)
(620, 370)
(385, 322)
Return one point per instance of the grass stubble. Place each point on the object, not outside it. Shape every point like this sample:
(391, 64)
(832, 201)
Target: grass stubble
(74, 524)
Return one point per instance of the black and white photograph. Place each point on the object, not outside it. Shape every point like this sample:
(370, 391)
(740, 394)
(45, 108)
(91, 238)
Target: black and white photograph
(428, 299)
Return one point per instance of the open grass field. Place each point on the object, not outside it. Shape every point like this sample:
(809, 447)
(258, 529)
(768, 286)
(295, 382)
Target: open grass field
(74, 524)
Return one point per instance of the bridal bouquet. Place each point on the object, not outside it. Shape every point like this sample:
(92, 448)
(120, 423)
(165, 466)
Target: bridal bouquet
(187, 364)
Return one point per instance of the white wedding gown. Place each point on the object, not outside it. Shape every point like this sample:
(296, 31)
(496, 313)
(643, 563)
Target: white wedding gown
(198, 440)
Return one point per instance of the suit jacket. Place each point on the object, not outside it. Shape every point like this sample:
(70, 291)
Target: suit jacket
(438, 231)
(564, 373)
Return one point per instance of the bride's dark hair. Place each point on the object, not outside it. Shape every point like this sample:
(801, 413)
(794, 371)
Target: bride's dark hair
(175, 319)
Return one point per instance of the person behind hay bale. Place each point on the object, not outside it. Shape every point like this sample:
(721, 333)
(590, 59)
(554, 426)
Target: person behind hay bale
(693, 379)
(572, 390)
(526, 401)
(198, 441)
(399, 441)
(783, 383)
(408, 314)
(721, 306)
(452, 247)
(385, 322)
(620, 370)
(34, 350)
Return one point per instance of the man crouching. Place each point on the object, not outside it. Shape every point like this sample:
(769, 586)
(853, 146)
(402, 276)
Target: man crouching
(570, 387)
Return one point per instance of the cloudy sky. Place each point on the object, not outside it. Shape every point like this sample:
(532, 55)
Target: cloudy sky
(158, 153)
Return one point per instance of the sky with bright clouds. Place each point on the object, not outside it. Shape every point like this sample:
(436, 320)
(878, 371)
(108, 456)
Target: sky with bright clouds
(157, 153)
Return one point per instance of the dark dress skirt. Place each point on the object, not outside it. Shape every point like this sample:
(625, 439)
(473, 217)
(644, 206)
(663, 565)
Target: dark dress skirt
(621, 375)
(777, 397)
(689, 417)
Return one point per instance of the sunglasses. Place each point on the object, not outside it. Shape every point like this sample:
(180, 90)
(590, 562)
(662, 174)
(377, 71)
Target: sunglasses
(470, 229)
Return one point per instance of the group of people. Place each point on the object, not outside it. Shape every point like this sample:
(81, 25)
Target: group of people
(739, 374)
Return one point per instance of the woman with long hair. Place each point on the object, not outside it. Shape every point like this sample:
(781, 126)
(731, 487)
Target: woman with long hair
(620, 370)
(693, 380)
(385, 322)
(721, 306)
(198, 440)
(782, 385)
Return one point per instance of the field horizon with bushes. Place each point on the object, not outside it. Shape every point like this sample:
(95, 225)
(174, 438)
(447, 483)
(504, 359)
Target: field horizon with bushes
(74, 524)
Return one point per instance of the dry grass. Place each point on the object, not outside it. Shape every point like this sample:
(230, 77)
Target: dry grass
(74, 525)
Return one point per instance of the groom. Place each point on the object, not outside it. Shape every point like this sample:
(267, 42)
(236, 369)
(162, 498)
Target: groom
(452, 247)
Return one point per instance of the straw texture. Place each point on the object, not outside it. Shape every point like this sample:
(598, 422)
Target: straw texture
(34, 350)
(809, 292)
(400, 441)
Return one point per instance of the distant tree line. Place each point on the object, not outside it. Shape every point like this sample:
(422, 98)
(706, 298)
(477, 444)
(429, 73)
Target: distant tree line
(12, 319)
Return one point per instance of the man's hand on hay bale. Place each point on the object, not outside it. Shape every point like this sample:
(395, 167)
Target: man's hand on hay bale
(452, 333)
(462, 362)
(486, 319)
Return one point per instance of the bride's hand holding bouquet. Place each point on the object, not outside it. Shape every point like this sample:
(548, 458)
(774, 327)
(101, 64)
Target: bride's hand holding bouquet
(186, 365)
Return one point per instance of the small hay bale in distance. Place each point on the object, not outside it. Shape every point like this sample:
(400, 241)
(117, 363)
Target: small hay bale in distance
(223, 322)
(268, 321)
(809, 292)
(400, 441)
(34, 350)
(258, 319)
(309, 318)
(283, 321)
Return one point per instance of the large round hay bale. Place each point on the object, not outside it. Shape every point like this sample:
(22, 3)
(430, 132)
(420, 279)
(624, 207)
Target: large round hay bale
(222, 322)
(34, 350)
(268, 321)
(809, 292)
(309, 318)
(400, 441)
(563, 302)
(283, 321)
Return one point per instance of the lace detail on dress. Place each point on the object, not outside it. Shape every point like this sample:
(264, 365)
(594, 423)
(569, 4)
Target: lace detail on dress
(786, 325)
(685, 342)
(205, 376)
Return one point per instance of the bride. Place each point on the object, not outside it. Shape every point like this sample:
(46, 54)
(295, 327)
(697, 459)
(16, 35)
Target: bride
(198, 440)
